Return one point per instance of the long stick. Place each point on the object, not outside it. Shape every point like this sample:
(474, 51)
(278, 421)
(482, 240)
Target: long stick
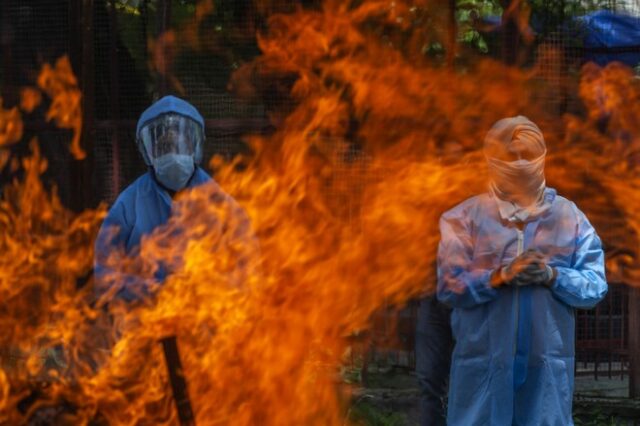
(178, 383)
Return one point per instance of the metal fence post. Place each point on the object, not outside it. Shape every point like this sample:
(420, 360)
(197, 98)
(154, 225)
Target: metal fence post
(510, 33)
(453, 34)
(87, 86)
(114, 95)
(163, 24)
(634, 342)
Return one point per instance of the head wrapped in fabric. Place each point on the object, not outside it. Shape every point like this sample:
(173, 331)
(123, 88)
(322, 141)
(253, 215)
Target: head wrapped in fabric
(515, 151)
(170, 135)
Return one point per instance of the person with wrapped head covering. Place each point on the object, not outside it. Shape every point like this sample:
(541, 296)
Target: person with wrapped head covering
(514, 263)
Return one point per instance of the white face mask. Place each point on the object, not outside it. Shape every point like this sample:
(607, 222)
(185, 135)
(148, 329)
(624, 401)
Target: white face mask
(174, 170)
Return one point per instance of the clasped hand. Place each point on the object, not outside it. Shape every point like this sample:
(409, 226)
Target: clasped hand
(530, 268)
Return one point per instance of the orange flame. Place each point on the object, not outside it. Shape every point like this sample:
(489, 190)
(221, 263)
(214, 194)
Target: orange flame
(163, 51)
(10, 126)
(46, 250)
(30, 98)
(371, 147)
(342, 228)
(191, 32)
(607, 148)
(60, 84)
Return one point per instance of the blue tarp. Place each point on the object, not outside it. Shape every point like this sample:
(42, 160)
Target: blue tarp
(607, 37)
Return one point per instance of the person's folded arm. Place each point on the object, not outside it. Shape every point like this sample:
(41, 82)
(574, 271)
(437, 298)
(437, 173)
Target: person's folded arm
(459, 284)
(110, 242)
(583, 284)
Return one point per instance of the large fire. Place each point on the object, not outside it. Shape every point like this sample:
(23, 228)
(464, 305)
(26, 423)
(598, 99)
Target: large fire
(343, 200)
(60, 84)
(10, 126)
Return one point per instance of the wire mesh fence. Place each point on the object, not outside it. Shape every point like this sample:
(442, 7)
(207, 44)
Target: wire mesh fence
(587, 34)
(136, 59)
(602, 337)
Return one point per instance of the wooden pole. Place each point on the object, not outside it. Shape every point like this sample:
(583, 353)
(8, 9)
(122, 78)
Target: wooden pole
(178, 382)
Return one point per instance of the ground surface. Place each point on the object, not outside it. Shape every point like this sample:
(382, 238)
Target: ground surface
(391, 399)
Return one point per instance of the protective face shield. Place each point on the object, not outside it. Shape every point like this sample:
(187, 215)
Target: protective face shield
(171, 133)
(515, 152)
(172, 144)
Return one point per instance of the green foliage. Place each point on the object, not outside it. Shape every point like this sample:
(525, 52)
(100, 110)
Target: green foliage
(468, 14)
(593, 417)
(351, 374)
(130, 27)
(366, 414)
(551, 14)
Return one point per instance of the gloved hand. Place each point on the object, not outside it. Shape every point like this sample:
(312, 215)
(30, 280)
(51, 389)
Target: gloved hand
(529, 268)
(540, 273)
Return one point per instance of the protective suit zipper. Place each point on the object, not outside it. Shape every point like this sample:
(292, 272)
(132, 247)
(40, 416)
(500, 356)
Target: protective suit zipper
(520, 249)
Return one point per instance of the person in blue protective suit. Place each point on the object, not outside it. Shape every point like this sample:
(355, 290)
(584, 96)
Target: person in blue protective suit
(514, 264)
(170, 136)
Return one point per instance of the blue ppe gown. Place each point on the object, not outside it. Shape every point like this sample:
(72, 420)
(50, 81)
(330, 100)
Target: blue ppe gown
(513, 360)
(138, 211)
